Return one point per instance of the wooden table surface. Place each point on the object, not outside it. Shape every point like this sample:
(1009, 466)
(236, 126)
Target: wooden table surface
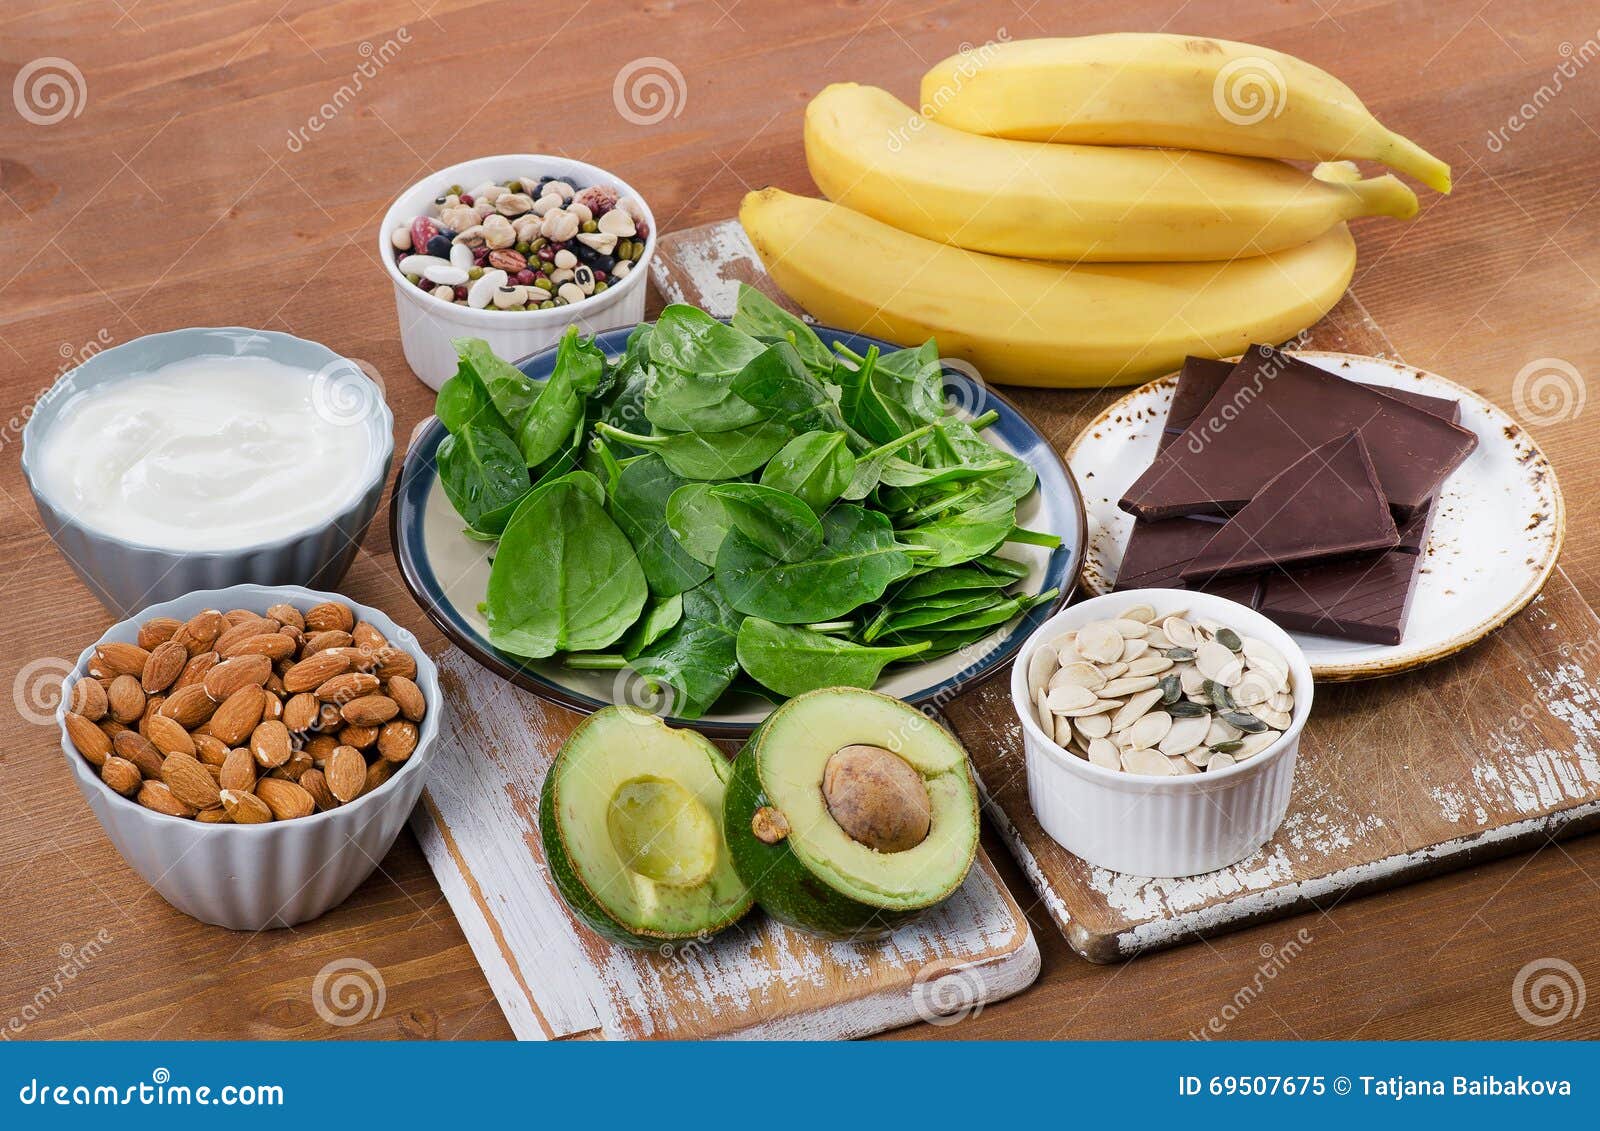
(225, 164)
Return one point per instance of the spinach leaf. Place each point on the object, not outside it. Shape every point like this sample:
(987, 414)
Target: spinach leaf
(816, 467)
(691, 341)
(463, 400)
(956, 579)
(778, 384)
(692, 402)
(698, 520)
(779, 523)
(897, 392)
(760, 317)
(792, 661)
(660, 617)
(565, 578)
(698, 658)
(709, 455)
(639, 508)
(483, 475)
(956, 443)
(563, 400)
(858, 559)
(508, 388)
(623, 404)
(960, 536)
(870, 464)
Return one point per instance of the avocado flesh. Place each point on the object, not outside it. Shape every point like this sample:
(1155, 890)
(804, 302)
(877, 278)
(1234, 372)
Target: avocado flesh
(795, 745)
(636, 807)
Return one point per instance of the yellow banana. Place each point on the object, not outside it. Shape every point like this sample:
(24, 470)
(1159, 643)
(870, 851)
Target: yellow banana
(870, 152)
(1171, 90)
(1023, 322)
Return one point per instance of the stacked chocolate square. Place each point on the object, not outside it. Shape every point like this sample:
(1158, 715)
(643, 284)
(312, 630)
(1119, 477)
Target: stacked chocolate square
(1294, 491)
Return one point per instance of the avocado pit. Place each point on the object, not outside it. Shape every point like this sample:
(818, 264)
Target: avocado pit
(877, 798)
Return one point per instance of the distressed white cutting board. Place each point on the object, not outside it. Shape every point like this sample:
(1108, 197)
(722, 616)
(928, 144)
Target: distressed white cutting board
(479, 828)
(1492, 750)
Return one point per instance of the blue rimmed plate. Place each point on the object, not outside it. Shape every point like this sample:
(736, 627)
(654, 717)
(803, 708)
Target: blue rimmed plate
(448, 573)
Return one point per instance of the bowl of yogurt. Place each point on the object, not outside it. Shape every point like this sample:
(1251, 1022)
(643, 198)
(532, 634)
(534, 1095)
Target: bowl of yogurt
(204, 458)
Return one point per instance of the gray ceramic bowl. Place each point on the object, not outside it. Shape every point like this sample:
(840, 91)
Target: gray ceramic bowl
(127, 576)
(251, 877)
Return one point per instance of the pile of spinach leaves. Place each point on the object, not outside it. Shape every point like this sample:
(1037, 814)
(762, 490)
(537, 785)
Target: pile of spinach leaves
(732, 504)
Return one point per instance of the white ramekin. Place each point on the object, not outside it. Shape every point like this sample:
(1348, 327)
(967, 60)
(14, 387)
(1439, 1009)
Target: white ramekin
(125, 575)
(1149, 826)
(427, 325)
(252, 877)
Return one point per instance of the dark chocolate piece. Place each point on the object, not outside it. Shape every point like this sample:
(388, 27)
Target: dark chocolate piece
(1365, 599)
(1271, 410)
(1198, 382)
(1326, 505)
(1157, 552)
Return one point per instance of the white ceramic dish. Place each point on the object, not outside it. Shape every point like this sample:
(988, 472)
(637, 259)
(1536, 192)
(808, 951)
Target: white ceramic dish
(125, 575)
(1496, 535)
(1149, 826)
(427, 324)
(252, 877)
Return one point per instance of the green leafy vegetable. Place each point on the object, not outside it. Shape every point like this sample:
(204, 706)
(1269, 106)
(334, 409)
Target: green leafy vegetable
(778, 384)
(508, 388)
(709, 455)
(699, 521)
(483, 475)
(760, 317)
(858, 559)
(639, 507)
(779, 523)
(792, 661)
(563, 400)
(698, 657)
(816, 467)
(565, 578)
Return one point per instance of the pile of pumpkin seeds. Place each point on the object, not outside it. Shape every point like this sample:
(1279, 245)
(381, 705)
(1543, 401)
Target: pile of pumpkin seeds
(1160, 695)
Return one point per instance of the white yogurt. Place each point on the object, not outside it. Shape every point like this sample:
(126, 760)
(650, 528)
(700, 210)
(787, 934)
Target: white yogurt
(208, 453)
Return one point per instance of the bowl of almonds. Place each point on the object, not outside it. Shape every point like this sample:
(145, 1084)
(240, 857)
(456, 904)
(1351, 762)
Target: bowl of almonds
(1161, 728)
(252, 752)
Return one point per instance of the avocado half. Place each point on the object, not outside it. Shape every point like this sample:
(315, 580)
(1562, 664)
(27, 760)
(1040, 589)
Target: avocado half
(851, 814)
(631, 819)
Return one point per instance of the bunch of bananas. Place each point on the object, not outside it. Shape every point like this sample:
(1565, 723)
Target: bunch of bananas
(1083, 212)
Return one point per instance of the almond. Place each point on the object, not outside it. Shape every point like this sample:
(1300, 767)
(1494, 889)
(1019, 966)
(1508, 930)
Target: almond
(239, 714)
(397, 740)
(270, 745)
(379, 772)
(286, 799)
(217, 816)
(189, 706)
(111, 728)
(156, 795)
(346, 773)
(316, 784)
(165, 665)
(241, 671)
(299, 762)
(125, 699)
(409, 696)
(196, 669)
(189, 781)
(239, 770)
(347, 687)
(315, 642)
(359, 737)
(287, 615)
(88, 699)
(392, 662)
(273, 709)
(199, 633)
(243, 630)
(300, 712)
(330, 615)
(320, 747)
(157, 631)
(314, 671)
(245, 807)
(210, 750)
(92, 742)
(122, 776)
(370, 710)
(131, 746)
(293, 633)
(363, 635)
(274, 645)
(274, 682)
(118, 657)
(168, 736)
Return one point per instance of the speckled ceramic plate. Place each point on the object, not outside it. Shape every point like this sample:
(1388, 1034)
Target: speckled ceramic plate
(1495, 538)
(448, 573)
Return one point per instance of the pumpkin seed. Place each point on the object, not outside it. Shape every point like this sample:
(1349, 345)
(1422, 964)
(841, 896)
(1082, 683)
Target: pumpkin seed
(1127, 685)
(1180, 632)
(1220, 761)
(1219, 695)
(1245, 721)
(1225, 747)
(1131, 629)
(1151, 762)
(1041, 666)
(1104, 753)
(1135, 708)
(1078, 674)
(1144, 614)
(1133, 649)
(1184, 735)
(1229, 639)
(1068, 697)
(1149, 664)
(1253, 744)
(1185, 709)
(1151, 729)
(1171, 689)
(1100, 640)
(1092, 726)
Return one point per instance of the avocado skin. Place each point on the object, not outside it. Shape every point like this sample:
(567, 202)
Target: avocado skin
(783, 886)
(577, 897)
